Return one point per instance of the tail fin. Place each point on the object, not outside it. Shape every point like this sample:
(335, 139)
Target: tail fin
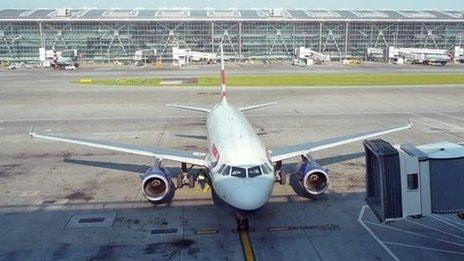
(223, 76)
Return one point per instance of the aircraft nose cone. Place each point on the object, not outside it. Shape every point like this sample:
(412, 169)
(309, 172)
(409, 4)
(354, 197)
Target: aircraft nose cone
(250, 196)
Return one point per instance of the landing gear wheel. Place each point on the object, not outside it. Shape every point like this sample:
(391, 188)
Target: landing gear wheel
(461, 215)
(179, 181)
(191, 183)
(243, 224)
(283, 178)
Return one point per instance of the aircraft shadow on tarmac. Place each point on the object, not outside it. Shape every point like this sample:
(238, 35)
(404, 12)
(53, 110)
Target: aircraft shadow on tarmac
(288, 168)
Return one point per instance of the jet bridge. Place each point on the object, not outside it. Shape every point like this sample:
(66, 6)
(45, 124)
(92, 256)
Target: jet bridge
(405, 180)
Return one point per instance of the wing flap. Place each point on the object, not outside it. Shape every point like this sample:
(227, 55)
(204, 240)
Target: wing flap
(282, 153)
(162, 153)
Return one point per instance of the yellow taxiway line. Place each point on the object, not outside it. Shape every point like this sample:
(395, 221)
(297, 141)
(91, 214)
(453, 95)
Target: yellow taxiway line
(246, 246)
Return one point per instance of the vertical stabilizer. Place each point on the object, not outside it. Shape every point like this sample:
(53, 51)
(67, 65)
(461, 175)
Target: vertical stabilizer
(223, 77)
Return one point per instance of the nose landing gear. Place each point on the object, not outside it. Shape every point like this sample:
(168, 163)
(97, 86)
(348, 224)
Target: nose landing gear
(280, 175)
(185, 178)
(243, 224)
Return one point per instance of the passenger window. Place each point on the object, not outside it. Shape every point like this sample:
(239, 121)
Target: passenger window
(226, 171)
(254, 171)
(238, 172)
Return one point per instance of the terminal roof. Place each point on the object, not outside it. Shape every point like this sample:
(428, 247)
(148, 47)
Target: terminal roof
(229, 14)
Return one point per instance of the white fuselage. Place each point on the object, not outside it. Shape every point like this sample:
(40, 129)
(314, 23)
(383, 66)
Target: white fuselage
(238, 159)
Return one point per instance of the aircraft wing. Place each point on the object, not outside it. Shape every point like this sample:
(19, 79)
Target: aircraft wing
(161, 153)
(305, 148)
(257, 106)
(190, 108)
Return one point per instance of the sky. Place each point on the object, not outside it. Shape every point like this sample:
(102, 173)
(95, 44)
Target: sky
(310, 4)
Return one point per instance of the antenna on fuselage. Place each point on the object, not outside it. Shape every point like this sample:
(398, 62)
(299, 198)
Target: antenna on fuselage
(223, 77)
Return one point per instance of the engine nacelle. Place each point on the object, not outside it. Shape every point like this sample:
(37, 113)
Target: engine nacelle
(313, 178)
(155, 184)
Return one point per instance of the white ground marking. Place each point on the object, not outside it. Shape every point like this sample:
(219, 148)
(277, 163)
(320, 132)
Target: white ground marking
(438, 121)
(414, 233)
(360, 216)
(448, 223)
(450, 220)
(451, 116)
(29, 193)
(425, 248)
(431, 125)
(434, 229)
(254, 115)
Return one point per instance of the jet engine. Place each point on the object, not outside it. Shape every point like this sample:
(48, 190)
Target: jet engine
(312, 177)
(156, 186)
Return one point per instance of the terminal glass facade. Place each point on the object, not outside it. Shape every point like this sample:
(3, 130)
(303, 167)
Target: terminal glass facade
(266, 39)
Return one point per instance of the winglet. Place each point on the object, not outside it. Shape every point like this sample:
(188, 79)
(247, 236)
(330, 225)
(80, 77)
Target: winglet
(223, 76)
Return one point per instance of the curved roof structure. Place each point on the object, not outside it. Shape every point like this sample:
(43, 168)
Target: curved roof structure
(212, 14)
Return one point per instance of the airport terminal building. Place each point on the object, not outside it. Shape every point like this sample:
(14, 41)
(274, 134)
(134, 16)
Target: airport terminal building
(110, 35)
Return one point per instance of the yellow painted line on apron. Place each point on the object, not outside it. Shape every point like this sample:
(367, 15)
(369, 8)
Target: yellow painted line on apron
(206, 231)
(85, 80)
(246, 246)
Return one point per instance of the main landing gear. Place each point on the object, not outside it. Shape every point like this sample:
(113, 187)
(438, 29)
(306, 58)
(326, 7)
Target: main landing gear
(280, 175)
(185, 178)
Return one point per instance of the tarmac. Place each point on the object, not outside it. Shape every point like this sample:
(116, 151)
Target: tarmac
(63, 201)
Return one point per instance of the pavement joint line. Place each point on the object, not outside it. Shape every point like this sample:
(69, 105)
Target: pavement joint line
(413, 233)
(360, 220)
(423, 247)
(448, 223)
(434, 229)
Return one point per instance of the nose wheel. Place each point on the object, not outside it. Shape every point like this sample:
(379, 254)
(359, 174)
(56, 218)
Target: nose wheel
(280, 175)
(185, 178)
(243, 224)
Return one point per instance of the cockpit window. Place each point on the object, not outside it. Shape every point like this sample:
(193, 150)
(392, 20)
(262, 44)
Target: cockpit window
(254, 171)
(221, 168)
(226, 171)
(238, 172)
(266, 169)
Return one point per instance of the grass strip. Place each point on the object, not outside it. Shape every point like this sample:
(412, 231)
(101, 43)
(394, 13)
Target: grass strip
(298, 80)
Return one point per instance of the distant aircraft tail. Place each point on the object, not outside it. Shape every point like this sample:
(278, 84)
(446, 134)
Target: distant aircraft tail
(223, 77)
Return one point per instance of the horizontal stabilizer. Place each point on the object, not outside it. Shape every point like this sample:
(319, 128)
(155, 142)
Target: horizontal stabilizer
(249, 108)
(190, 108)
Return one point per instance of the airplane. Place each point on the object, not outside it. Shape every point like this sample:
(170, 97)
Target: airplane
(240, 169)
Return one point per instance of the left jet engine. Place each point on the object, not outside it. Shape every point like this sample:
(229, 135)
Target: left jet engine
(156, 186)
(313, 178)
